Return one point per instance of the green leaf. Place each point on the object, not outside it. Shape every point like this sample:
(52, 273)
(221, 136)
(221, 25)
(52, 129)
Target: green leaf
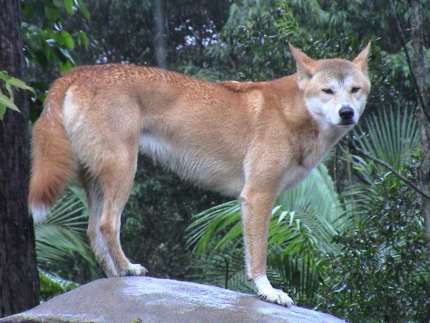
(65, 67)
(83, 39)
(10, 91)
(68, 5)
(66, 54)
(4, 100)
(4, 76)
(84, 9)
(19, 84)
(65, 39)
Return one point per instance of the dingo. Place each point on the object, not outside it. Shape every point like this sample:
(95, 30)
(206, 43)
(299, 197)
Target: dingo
(249, 140)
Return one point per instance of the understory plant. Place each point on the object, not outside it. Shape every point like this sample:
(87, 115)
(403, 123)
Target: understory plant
(382, 273)
(62, 247)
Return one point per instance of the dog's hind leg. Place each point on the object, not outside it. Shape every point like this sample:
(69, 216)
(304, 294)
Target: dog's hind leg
(98, 244)
(108, 187)
(116, 181)
(105, 140)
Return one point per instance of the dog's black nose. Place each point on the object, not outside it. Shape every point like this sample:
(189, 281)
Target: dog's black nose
(346, 113)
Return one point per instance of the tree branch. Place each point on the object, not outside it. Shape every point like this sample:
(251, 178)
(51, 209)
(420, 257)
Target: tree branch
(391, 169)
(408, 60)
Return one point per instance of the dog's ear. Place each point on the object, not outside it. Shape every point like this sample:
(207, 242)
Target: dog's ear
(306, 66)
(361, 60)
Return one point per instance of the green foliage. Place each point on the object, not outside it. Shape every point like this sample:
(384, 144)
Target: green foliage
(62, 236)
(391, 136)
(48, 45)
(52, 285)
(7, 101)
(255, 34)
(46, 42)
(382, 272)
(253, 43)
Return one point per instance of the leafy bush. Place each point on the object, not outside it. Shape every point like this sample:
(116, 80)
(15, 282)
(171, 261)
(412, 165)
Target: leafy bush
(52, 285)
(382, 272)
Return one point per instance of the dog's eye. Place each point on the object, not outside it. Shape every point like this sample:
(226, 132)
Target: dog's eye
(355, 89)
(328, 91)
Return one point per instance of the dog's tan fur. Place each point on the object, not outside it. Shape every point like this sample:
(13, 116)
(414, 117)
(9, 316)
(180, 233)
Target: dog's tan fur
(249, 140)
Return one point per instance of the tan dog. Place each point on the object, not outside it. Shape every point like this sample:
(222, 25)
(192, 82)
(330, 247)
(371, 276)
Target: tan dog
(248, 140)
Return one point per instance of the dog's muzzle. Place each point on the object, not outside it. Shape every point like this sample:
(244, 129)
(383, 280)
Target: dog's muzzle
(346, 114)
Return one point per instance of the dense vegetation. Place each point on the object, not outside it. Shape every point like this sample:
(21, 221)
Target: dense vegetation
(349, 240)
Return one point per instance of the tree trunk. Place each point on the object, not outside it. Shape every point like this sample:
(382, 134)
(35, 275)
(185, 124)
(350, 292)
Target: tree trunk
(19, 284)
(424, 110)
(160, 44)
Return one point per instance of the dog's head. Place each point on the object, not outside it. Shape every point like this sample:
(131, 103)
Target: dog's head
(335, 90)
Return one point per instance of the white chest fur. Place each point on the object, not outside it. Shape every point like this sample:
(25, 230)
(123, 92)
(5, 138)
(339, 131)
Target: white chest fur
(293, 176)
(313, 153)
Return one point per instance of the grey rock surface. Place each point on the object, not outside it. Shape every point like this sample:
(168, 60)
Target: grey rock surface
(147, 300)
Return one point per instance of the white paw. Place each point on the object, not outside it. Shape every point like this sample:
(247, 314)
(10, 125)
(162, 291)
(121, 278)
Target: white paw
(270, 294)
(136, 270)
(276, 296)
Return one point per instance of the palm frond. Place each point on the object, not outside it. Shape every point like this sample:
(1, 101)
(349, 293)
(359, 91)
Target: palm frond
(209, 223)
(390, 135)
(62, 235)
(298, 275)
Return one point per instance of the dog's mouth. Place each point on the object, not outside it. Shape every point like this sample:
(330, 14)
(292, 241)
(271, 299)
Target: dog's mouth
(346, 123)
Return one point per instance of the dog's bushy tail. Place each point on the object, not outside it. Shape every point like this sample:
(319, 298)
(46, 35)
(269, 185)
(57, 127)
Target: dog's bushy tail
(53, 163)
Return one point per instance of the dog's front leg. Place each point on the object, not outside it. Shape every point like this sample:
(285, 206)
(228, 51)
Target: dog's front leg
(256, 208)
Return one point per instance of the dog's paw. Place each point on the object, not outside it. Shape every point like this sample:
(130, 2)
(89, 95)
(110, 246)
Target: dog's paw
(266, 292)
(135, 270)
(276, 296)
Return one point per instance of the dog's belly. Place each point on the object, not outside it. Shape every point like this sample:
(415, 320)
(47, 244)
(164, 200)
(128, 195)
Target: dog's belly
(193, 165)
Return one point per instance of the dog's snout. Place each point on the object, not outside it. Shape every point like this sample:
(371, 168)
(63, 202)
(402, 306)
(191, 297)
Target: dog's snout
(346, 113)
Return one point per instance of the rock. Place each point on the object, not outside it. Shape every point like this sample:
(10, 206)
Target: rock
(145, 299)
